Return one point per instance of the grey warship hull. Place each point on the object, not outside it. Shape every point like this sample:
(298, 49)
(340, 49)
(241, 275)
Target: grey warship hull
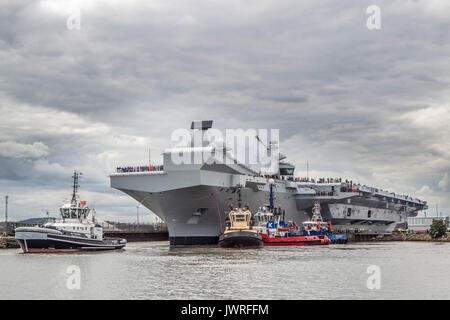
(193, 199)
(195, 214)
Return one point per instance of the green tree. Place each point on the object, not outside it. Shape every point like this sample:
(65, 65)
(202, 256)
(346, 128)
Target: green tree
(438, 228)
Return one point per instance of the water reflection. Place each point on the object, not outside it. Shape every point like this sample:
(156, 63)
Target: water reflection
(152, 270)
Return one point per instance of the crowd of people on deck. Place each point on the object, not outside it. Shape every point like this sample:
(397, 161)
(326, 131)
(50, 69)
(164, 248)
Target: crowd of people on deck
(140, 168)
(350, 186)
(303, 179)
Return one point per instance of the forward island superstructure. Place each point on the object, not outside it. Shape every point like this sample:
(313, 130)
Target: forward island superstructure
(193, 198)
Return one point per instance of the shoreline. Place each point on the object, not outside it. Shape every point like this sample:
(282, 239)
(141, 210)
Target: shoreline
(390, 237)
(11, 243)
(8, 243)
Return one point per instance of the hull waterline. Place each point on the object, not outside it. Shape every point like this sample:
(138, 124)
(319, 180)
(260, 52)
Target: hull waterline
(241, 239)
(40, 240)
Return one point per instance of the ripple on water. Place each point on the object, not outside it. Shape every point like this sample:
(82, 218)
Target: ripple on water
(152, 270)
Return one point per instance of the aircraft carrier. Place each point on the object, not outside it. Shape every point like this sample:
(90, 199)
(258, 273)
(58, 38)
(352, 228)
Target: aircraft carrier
(193, 198)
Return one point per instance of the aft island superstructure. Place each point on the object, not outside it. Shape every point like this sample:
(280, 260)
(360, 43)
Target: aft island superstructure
(193, 198)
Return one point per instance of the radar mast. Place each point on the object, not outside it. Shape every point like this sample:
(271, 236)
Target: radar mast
(75, 186)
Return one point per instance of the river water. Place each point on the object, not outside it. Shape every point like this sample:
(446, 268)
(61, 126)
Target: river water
(150, 270)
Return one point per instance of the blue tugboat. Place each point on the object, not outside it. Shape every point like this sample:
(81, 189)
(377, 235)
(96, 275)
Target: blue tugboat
(277, 232)
(317, 227)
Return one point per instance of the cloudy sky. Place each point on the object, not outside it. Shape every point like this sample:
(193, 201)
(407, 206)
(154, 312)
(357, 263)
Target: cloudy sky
(368, 105)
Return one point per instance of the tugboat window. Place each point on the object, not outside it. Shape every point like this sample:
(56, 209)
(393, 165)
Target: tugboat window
(65, 213)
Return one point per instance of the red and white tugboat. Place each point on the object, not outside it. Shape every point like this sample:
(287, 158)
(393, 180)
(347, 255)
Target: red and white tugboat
(277, 232)
(317, 227)
(75, 231)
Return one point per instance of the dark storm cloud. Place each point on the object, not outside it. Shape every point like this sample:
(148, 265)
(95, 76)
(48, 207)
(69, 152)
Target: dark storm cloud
(366, 104)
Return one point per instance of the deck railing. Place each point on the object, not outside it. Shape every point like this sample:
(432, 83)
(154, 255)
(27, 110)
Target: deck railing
(156, 168)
